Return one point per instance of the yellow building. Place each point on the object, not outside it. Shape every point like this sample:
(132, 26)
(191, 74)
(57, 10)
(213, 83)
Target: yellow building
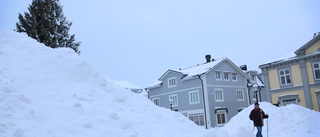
(297, 79)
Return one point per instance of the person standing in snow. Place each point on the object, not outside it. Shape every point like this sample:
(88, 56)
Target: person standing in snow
(257, 116)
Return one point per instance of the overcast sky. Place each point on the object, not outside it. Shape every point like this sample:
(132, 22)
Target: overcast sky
(139, 40)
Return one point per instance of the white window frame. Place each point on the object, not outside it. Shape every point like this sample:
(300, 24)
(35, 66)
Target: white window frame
(314, 71)
(253, 78)
(197, 121)
(172, 82)
(194, 97)
(156, 99)
(174, 99)
(254, 96)
(218, 75)
(226, 76)
(218, 115)
(240, 95)
(285, 77)
(234, 75)
(218, 95)
(286, 99)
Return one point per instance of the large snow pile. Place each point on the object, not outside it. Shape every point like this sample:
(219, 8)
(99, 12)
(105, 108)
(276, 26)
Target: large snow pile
(48, 92)
(288, 121)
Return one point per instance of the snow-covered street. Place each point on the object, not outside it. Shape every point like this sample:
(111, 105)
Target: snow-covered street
(48, 92)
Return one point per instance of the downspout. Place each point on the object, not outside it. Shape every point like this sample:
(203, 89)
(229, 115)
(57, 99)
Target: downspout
(249, 95)
(204, 102)
(260, 93)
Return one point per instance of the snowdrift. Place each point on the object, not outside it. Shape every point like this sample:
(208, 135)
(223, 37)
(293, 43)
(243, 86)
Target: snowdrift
(48, 92)
(53, 92)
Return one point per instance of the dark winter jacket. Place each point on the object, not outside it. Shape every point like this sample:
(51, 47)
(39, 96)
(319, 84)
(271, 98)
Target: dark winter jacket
(257, 116)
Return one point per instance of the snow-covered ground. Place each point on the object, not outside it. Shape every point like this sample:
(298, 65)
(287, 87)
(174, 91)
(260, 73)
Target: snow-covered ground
(48, 92)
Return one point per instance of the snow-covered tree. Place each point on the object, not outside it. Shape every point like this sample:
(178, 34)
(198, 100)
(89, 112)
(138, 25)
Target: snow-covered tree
(46, 23)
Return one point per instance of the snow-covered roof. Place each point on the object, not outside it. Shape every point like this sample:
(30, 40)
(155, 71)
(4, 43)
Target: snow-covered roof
(197, 70)
(126, 84)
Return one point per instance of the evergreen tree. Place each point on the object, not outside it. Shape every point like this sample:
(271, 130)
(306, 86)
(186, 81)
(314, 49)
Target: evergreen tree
(46, 23)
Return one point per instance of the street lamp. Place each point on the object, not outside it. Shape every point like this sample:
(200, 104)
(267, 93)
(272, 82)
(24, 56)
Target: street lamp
(255, 88)
(170, 102)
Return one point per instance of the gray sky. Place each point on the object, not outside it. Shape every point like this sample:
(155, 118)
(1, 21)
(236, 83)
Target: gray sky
(138, 40)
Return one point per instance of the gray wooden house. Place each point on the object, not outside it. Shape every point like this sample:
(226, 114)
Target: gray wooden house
(209, 94)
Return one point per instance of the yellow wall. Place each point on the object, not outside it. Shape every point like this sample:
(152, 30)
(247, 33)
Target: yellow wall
(313, 94)
(309, 72)
(296, 75)
(273, 79)
(313, 48)
(275, 97)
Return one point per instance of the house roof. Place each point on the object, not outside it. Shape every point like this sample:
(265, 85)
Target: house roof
(197, 70)
(299, 52)
(307, 45)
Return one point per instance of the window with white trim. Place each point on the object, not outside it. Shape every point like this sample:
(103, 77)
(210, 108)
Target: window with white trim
(285, 77)
(218, 75)
(172, 82)
(197, 118)
(173, 100)
(218, 93)
(234, 76)
(194, 97)
(226, 76)
(316, 69)
(253, 78)
(240, 96)
(255, 95)
(221, 117)
(156, 101)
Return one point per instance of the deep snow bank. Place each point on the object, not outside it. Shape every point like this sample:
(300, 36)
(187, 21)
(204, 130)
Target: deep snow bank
(286, 121)
(48, 92)
(53, 92)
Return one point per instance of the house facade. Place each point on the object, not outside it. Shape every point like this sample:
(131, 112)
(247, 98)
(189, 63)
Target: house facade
(295, 80)
(256, 89)
(209, 94)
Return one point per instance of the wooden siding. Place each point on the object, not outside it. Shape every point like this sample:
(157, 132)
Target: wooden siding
(309, 72)
(274, 79)
(314, 98)
(314, 48)
(296, 75)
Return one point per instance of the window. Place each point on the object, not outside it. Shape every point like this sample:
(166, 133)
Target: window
(285, 77)
(226, 76)
(234, 76)
(254, 97)
(253, 78)
(172, 82)
(156, 101)
(218, 93)
(221, 117)
(197, 118)
(194, 97)
(218, 75)
(240, 96)
(173, 99)
(285, 102)
(316, 70)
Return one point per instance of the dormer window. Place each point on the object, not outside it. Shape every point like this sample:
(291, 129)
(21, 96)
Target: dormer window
(253, 78)
(172, 82)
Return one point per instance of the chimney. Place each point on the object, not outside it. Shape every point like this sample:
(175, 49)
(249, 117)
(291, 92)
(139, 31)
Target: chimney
(208, 58)
(243, 67)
